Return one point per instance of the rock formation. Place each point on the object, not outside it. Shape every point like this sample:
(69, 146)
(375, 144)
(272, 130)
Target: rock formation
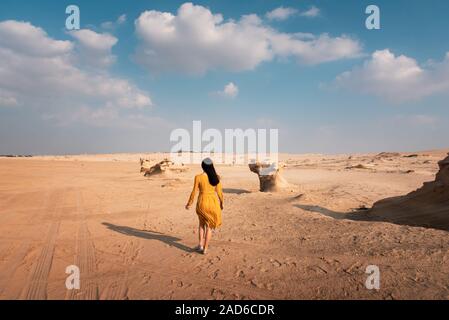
(165, 166)
(427, 206)
(386, 155)
(270, 177)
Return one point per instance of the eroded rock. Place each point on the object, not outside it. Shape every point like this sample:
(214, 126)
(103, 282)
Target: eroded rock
(428, 206)
(163, 167)
(270, 177)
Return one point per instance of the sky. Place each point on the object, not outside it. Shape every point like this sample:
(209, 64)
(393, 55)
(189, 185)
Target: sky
(137, 69)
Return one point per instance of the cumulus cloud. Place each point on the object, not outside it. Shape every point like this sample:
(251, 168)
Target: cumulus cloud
(195, 41)
(229, 91)
(111, 25)
(281, 13)
(312, 12)
(95, 48)
(397, 78)
(24, 37)
(314, 50)
(48, 77)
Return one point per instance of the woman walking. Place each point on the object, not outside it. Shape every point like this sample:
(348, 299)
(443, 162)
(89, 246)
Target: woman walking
(209, 204)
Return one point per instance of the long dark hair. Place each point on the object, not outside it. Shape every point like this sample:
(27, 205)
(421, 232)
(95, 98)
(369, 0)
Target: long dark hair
(208, 167)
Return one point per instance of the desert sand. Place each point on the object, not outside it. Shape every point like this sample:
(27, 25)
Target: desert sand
(132, 238)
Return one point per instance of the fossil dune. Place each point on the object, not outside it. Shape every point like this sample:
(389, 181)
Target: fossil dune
(428, 206)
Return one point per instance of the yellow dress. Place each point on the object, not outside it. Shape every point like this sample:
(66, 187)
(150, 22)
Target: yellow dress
(208, 205)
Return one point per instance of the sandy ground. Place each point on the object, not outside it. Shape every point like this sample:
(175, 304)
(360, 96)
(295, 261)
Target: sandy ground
(132, 237)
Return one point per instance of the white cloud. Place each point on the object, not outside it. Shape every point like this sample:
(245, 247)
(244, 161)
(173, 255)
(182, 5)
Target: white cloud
(24, 37)
(49, 78)
(111, 25)
(281, 13)
(315, 50)
(417, 120)
(311, 13)
(397, 78)
(229, 91)
(93, 40)
(95, 48)
(195, 41)
(7, 99)
(121, 19)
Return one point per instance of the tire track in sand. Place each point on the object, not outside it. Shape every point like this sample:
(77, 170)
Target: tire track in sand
(36, 288)
(84, 259)
(7, 272)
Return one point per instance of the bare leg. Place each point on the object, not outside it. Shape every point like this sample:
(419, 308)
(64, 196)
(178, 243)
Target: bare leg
(208, 236)
(201, 232)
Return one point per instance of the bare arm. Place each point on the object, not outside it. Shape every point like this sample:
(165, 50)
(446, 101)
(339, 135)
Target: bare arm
(219, 191)
(193, 193)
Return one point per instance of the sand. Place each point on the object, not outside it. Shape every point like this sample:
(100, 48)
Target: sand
(132, 237)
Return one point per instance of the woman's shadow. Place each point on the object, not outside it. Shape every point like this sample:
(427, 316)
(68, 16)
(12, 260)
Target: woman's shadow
(148, 234)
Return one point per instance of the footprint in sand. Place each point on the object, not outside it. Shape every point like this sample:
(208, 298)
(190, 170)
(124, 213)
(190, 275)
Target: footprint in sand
(256, 283)
(240, 274)
(275, 263)
(217, 294)
(269, 286)
(177, 283)
(317, 269)
(146, 278)
(214, 275)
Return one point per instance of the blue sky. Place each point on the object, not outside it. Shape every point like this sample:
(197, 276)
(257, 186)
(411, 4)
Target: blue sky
(326, 82)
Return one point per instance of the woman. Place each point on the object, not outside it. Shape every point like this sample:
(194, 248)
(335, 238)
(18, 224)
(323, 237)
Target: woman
(209, 206)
